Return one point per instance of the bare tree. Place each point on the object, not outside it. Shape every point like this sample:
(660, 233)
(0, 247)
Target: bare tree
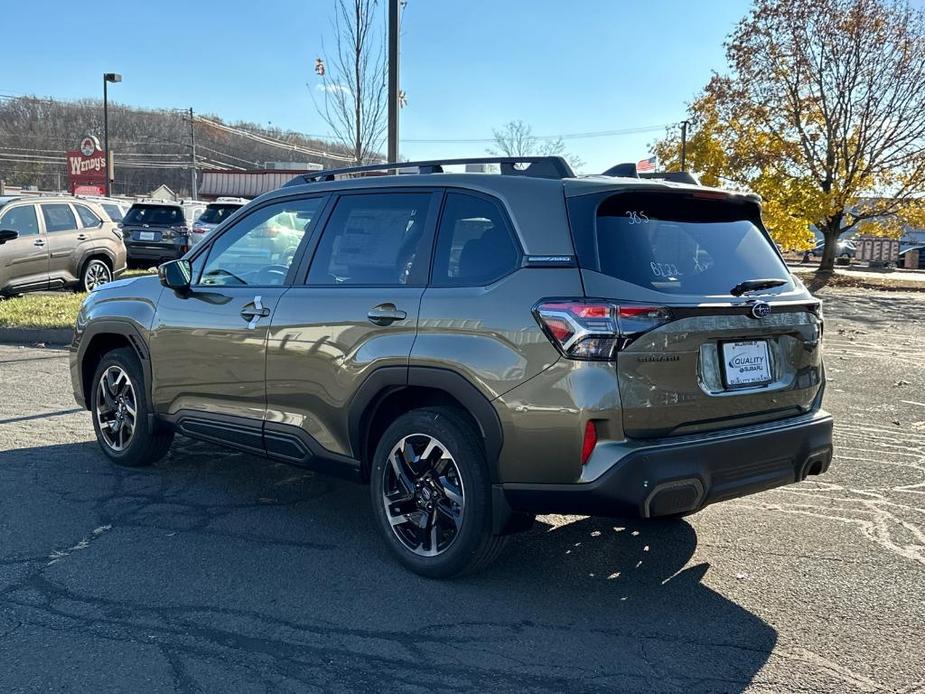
(516, 139)
(354, 82)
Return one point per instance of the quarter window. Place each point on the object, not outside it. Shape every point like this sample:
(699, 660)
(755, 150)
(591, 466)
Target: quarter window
(21, 219)
(373, 239)
(58, 217)
(87, 217)
(259, 249)
(474, 244)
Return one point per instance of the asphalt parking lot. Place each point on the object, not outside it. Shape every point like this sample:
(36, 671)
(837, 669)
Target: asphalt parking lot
(216, 571)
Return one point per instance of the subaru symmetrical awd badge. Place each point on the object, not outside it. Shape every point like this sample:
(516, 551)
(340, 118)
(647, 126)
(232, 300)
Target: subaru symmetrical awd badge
(760, 309)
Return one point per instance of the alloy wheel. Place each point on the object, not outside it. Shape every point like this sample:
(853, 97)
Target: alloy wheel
(116, 408)
(423, 495)
(97, 274)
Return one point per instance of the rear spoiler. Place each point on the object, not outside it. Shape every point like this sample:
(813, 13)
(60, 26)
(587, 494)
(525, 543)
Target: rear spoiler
(628, 170)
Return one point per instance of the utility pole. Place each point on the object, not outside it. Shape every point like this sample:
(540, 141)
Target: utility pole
(684, 145)
(394, 6)
(192, 143)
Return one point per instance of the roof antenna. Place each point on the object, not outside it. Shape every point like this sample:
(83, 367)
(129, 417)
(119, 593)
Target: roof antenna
(627, 170)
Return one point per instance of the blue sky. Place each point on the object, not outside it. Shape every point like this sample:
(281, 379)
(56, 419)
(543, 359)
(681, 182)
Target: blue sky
(467, 65)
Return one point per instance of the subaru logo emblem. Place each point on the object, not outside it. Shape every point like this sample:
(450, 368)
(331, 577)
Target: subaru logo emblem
(760, 309)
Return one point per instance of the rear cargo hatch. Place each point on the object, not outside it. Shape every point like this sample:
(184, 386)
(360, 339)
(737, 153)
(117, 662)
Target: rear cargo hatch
(729, 348)
(147, 223)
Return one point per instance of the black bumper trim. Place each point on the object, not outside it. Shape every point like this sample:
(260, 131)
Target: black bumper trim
(672, 479)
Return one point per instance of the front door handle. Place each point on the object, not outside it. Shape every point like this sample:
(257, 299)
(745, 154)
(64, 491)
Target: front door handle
(385, 314)
(38, 242)
(253, 312)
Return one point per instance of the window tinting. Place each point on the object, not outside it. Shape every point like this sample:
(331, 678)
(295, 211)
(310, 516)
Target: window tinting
(372, 239)
(21, 219)
(259, 249)
(216, 214)
(162, 215)
(679, 244)
(58, 218)
(87, 217)
(474, 245)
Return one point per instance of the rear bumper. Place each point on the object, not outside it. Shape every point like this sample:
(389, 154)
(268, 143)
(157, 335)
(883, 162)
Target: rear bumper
(682, 476)
(152, 251)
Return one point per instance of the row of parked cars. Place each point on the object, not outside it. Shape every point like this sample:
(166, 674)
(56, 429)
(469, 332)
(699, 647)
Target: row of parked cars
(57, 242)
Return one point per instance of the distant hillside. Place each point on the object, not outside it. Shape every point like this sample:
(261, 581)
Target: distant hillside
(150, 147)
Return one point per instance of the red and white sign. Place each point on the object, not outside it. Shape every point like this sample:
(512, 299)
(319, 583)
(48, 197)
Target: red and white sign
(86, 168)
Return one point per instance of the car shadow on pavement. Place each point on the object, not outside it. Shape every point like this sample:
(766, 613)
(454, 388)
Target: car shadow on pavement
(221, 557)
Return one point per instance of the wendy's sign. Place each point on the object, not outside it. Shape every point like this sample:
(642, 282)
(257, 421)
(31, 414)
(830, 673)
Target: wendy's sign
(86, 168)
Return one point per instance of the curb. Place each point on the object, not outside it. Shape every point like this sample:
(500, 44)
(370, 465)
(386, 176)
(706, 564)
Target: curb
(58, 337)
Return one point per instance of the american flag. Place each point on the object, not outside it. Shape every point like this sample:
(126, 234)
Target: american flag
(644, 165)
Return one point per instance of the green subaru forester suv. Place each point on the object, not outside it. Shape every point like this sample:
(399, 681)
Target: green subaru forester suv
(478, 348)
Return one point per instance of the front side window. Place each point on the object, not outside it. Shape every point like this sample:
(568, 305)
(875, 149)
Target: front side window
(87, 217)
(58, 217)
(474, 245)
(259, 249)
(372, 239)
(22, 219)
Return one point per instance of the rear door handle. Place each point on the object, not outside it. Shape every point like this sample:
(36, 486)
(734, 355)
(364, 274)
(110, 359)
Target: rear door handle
(82, 237)
(253, 312)
(38, 242)
(385, 314)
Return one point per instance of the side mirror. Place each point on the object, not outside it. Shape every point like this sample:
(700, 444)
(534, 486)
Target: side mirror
(8, 235)
(176, 275)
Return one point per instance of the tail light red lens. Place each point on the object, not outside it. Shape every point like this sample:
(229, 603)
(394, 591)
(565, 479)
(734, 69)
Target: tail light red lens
(589, 441)
(595, 330)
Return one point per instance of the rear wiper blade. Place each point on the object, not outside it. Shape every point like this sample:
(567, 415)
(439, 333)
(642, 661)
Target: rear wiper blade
(753, 285)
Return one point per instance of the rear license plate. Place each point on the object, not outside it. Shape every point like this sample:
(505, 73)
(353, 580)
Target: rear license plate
(746, 363)
(145, 235)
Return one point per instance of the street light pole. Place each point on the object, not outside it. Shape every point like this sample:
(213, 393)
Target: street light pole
(107, 78)
(393, 79)
(192, 141)
(684, 145)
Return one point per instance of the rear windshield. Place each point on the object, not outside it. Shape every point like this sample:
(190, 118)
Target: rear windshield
(166, 215)
(216, 214)
(678, 244)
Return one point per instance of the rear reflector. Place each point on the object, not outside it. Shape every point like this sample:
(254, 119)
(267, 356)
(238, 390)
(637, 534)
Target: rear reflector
(589, 441)
(594, 330)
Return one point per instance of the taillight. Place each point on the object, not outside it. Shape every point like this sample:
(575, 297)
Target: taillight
(589, 441)
(595, 330)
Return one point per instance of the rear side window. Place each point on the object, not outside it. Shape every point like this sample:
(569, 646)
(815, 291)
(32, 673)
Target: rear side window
(675, 243)
(58, 218)
(162, 215)
(87, 217)
(474, 244)
(21, 219)
(375, 239)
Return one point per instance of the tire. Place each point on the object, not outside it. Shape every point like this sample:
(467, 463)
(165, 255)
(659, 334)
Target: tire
(96, 272)
(457, 471)
(130, 440)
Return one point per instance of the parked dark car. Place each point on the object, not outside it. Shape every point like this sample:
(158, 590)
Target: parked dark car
(56, 242)
(477, 348)
(158, 231)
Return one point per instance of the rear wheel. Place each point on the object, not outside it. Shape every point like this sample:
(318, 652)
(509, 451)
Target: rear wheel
(125, 432)
(431, 494)
(95, 274)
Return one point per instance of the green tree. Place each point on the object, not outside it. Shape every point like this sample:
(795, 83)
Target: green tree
(821, 112)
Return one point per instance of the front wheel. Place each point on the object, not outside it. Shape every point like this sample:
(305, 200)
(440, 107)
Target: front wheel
(125, 432)
(431, 494)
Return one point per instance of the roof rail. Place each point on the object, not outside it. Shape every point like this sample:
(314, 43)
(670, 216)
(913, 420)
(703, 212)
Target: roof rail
(537, 167)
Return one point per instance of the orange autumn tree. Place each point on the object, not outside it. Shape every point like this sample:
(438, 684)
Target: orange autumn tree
(822, 113)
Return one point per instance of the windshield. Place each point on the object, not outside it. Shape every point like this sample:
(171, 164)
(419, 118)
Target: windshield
(216, 214)
(680, 244)
(163, 215)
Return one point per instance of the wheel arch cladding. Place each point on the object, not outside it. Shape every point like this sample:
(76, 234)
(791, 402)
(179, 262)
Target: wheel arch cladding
(391, 391)
(105, 337)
